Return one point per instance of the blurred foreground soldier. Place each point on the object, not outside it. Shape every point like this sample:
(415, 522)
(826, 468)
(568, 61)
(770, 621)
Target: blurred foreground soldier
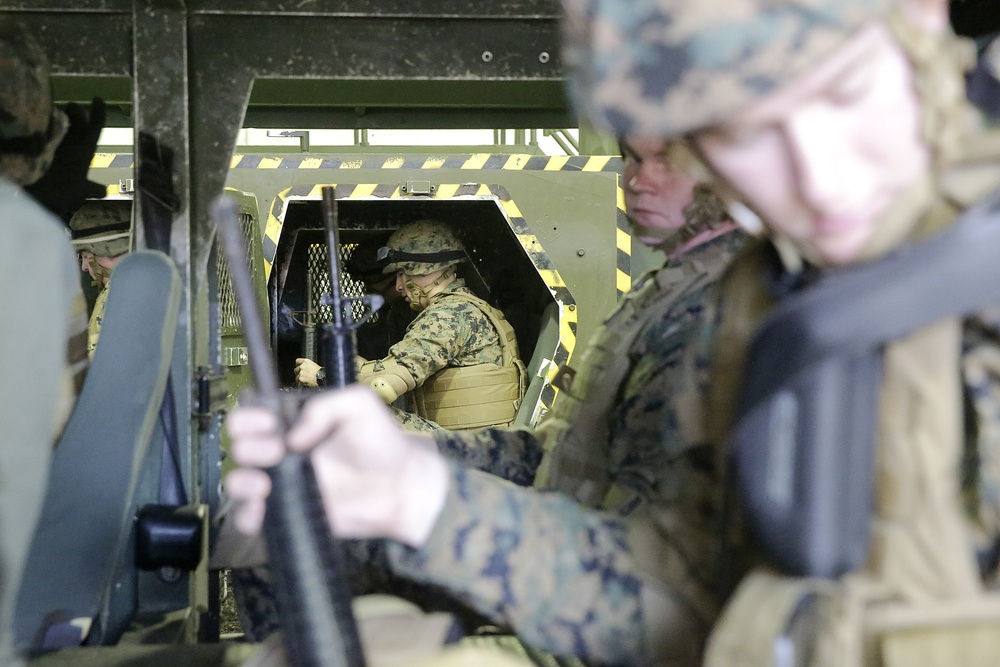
(43, 309)
(840, 123)
(102, 236)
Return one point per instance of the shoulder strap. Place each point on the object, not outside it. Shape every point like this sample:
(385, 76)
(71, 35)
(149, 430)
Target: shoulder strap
(856, 309)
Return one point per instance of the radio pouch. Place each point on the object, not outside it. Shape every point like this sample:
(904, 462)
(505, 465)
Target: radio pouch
(803, 448)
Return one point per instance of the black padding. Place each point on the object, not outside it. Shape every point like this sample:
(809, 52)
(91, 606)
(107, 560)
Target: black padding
(167, 537)
(87, 520)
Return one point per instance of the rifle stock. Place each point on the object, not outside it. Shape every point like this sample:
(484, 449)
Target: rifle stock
(310, 583)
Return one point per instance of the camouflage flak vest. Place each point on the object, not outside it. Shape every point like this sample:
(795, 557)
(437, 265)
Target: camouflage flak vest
(577, 433)
(467, 397)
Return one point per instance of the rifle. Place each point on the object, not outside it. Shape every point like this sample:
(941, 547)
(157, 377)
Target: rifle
(310, 583)
(309, 325)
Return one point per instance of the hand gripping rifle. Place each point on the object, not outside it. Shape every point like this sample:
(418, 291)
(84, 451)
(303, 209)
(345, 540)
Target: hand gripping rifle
(310, 582)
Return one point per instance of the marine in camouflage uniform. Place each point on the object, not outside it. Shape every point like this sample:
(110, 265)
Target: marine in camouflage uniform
(456, 339)
(647, 588)
(606, 424)
(101, 235)
(605, 431)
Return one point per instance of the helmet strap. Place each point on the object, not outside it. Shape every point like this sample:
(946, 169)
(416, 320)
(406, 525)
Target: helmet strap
(420, 296)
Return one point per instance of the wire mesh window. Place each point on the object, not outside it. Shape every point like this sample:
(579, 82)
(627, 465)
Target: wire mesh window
(229, 311)
(319, 272)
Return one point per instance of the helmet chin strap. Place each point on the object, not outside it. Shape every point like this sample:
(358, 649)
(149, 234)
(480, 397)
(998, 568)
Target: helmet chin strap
(420, 296)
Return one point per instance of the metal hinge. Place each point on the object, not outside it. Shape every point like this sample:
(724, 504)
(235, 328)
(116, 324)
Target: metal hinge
(235, 356)
(211, 394)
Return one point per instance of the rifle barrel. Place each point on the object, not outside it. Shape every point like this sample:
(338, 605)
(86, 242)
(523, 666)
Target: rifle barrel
(310, 578)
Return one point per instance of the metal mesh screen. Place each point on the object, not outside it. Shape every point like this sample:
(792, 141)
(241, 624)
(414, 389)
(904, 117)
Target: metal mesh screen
(229, 312)
(319, 271)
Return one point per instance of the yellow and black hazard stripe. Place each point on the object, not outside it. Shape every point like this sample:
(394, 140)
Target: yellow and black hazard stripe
(471, 161)
(477, 161)
(529, 242)
(623, 241)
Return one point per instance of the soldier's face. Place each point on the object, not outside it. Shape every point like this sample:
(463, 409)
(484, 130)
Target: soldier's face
(656, 192)
(85, 258)
(822, 158)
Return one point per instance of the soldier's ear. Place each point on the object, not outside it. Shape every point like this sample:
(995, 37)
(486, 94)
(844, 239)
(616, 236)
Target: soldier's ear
(931, 15)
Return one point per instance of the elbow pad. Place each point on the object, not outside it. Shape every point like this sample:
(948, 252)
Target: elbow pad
(387, 378)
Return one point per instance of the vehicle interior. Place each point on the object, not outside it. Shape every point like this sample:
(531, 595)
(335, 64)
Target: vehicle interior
(187, 77)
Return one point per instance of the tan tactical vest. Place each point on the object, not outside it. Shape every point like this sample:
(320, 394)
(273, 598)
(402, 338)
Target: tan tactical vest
(465, 397)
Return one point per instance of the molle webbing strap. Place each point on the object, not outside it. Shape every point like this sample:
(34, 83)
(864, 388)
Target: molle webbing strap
(811, 389)
(470, 396)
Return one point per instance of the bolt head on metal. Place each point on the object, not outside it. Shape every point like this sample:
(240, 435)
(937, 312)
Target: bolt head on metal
(487, 56)
(543, 57)
(581, 252)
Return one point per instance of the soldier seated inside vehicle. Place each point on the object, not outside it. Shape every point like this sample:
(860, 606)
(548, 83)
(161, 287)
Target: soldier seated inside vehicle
(459, 360)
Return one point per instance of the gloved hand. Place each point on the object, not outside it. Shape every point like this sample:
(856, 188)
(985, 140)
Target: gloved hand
(64, 186)
(305, 372)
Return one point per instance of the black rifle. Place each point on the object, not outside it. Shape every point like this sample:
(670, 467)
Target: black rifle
(309, 324)
(339, 334)
(313, 596)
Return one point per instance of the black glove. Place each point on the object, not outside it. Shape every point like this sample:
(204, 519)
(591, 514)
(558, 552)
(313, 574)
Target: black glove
(64, 186)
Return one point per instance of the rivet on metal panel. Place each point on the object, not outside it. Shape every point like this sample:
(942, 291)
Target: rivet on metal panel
(581, 252)
(543, 57)
(487, 56)
(572, 307)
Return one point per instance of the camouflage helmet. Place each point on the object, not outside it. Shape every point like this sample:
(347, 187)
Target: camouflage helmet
(30, 127)
(103, 227)
(421, 248)
(667, 67)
